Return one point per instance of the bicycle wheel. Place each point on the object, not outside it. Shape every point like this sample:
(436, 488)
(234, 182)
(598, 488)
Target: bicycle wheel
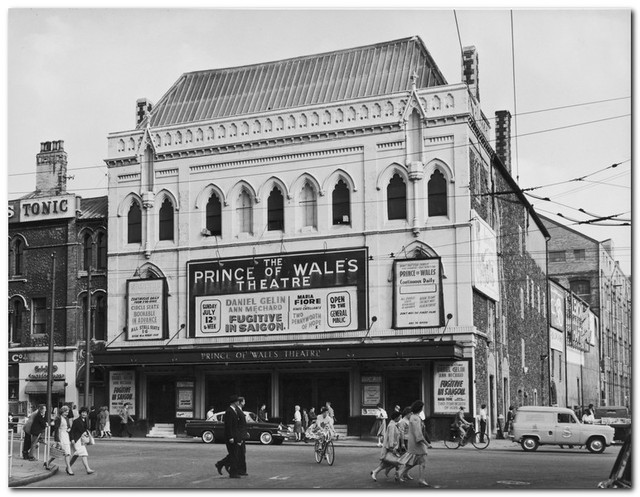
(317, 448)
(451, 441)
(477, 443)
(330, 453)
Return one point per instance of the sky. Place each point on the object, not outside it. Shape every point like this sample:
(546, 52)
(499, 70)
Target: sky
(564, 75)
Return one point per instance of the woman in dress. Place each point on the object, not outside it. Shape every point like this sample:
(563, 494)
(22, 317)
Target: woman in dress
(297, 423)
(78, 429)
(390, 447)
(62, 427)
(103, 422)
(416, 454)
(380, 425)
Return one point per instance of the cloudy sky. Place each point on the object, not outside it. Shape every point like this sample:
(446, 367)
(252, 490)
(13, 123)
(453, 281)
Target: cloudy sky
(75, 75)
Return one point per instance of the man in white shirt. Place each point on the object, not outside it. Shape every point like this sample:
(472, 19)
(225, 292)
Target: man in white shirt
(483, 422)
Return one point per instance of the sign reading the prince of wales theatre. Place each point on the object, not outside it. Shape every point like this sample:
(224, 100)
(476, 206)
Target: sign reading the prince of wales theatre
(417, 293)
(303, 292)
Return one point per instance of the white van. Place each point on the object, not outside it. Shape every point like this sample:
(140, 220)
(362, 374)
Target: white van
(534, 426)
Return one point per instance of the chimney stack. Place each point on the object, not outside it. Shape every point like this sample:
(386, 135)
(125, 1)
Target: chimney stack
(51, 168)
(470, 70)
(143, 109)
(503, 137)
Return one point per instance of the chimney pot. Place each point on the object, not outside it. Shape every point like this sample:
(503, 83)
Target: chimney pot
(503, 137)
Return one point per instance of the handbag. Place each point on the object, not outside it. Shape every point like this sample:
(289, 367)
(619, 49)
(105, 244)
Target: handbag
(391, 458)
(87, 439)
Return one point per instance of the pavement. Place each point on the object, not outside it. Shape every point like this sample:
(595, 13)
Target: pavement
(24, 472)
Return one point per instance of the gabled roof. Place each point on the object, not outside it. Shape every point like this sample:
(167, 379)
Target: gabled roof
(370, 70)
(93, 208)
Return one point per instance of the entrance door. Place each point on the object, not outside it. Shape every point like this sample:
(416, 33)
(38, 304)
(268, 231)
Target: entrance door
(314, 390)
(161, 400)
(255, 388)
(402, 389)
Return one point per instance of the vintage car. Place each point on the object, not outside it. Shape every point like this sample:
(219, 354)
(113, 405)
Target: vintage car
(213, 430)
(534, 426)
(615, 416)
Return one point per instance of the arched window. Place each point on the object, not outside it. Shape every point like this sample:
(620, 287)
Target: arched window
(275, 210)
(100, 318)
(134, 224)
(16, 310)
(244, 211)
(437, 192)
(214, 215)
(101, 261)
(166, 220)
(18, 257)
(309, 208)
(86, 251)
(396, 198)
(341, 204)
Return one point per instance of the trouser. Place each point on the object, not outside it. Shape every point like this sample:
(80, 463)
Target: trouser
(26, 444)
(483, 429)
(231, 461)
(242, 458)
(34, 444)
(126, 430)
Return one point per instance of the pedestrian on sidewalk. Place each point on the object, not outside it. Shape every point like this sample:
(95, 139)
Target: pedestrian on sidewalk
(389, 457)
(244, 436)
(416, 454)
(126, 420)
(232, 437)
(104, 424)
(403, 428)
(509, 422)
(483, 422)
(210, 413)
(297, 423)
(380, 424)
(62, 428)
(93, 421)
(80, 437)
(34, 428)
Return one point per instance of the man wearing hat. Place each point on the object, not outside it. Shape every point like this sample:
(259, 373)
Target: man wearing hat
(233, 439)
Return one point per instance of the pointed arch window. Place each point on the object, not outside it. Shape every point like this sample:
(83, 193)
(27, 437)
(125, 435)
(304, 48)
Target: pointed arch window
(244, 212)
(275, 210)
(100, 317)
(214, 215)
(437, 193)
(396, 198)
(341, 204)
(87, 243)
(166, 220)
(309, 206)
(101, 255)
(134, 224)
(18, 257)
(16, 311)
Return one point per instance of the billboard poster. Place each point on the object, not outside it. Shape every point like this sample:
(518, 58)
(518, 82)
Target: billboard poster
(418, 293)
(451, 387)
(122, 389)
(557, 306)
(556, 339)
(145, 309)
(300, 292)
(485, 258)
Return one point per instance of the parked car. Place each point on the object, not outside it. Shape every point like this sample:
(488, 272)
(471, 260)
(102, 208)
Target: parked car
(534, 426)
(617, 417)
(213, 430)
(620, 476)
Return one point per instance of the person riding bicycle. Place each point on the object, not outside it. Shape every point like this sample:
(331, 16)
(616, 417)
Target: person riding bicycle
(324, 425)
(461, 424)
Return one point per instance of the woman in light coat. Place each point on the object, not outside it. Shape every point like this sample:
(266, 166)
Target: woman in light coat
(390, 447)
(416, 454)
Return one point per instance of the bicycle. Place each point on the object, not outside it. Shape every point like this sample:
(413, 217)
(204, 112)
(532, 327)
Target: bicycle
(453, 440)
(323, 449)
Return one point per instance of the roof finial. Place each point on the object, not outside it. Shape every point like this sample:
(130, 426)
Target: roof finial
(414, 78)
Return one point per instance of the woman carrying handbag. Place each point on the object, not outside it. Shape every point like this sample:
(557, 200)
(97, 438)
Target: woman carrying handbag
(389, 457)
(81, 437)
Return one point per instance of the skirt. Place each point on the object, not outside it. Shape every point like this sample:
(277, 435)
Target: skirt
(80, 449)
(297, 427)
(410, 459)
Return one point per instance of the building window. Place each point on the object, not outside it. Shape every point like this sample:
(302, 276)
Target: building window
(166, 220)
(582, 288)
(100, 324)
(244, 212)
(341, 204)
(15, 321)
(83, 325)
(18, 256)
(396, 198)
(275, 210)
(557, 256)
(86, 251)
(579, 254)
(134, 224)
(102, 251)
(437, 192)
(214, 215)
(39, 319)
(309, 208)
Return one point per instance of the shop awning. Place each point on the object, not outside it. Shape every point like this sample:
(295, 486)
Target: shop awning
(40, 386)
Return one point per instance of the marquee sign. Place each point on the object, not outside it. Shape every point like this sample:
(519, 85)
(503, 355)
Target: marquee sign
(42, 208)
(299, 292)
(418, 293)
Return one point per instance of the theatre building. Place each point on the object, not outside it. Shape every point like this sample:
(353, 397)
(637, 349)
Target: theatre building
(309, 230)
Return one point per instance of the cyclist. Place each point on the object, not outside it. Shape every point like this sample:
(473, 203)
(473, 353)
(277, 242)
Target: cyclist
(324, 425)
(462, 425)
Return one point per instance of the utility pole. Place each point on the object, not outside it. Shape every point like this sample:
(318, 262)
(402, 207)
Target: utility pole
(87, 338)
(51, 341)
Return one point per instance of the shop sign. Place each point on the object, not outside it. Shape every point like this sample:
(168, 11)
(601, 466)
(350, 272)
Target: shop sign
(146, 309)
(42, 208)
(557, 306)
(303, 292)
(451, 387)
(41, 372)
(484, 258)
(556, 339)
(122, 389)
(418, 293)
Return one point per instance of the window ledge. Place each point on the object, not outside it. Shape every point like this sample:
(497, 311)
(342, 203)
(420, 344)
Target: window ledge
(17, 279)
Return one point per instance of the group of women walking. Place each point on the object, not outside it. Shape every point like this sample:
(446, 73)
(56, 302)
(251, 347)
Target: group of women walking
(76, 434)
(404, 445)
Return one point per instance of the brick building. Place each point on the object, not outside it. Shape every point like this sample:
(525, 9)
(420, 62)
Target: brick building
(324, 228)
(51, 221)
(588, 268)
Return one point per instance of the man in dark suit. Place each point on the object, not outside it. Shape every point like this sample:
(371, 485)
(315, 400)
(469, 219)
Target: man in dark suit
(232, 439)
(242, 433)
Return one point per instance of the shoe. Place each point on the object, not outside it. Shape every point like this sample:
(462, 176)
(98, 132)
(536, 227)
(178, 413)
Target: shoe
(31, 458)
(373, 476)
(423, 484)
(219, 468)
(70, 473)
(408, 477)
(90, 471)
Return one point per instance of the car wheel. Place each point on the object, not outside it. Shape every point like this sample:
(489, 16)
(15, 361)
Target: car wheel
(596, 445)
(207, 437)
(266, 438)
(529, 444)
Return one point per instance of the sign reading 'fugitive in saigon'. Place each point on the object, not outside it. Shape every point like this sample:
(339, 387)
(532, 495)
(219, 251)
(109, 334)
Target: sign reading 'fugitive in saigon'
(450, 387)
(284, 293)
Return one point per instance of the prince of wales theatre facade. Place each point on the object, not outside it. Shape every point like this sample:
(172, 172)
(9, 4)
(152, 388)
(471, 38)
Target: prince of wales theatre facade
(308, 230)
